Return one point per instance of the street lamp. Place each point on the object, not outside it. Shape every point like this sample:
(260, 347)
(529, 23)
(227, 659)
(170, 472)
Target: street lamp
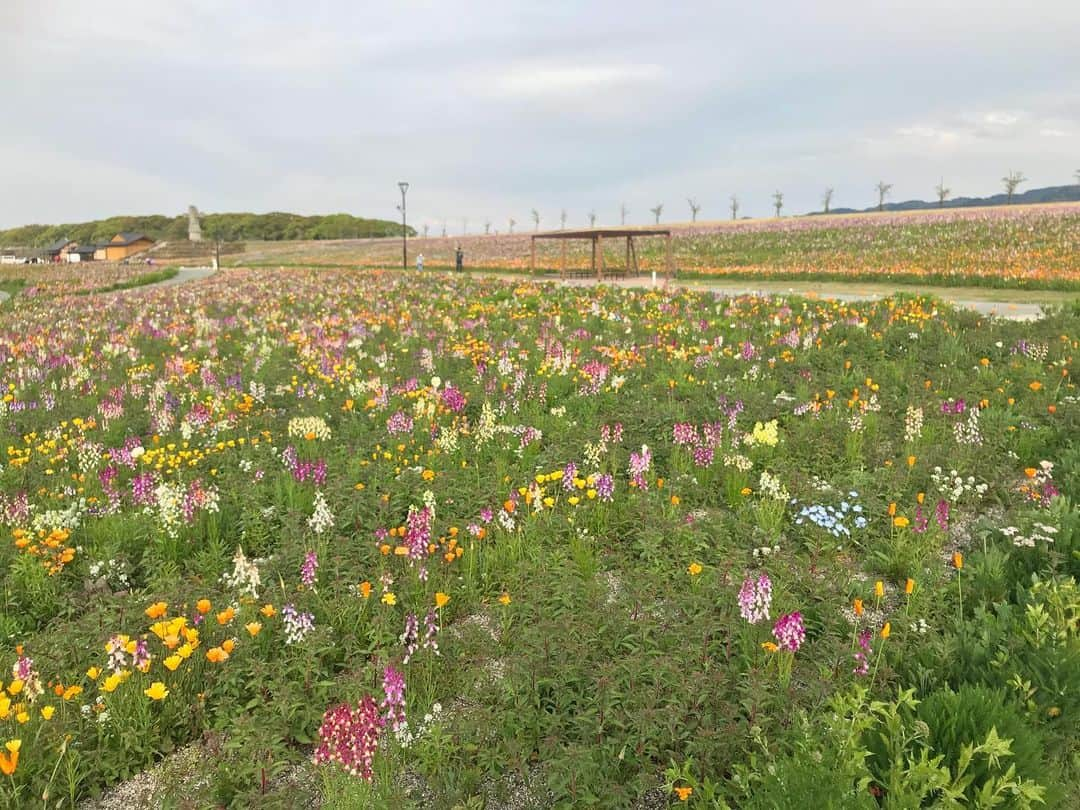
(404, 228)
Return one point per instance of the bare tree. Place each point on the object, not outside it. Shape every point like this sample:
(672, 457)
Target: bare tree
(464, 225)
(425, 230)
(1076, 174)
(444, 228)
(734, 207)
(1011, 181)
(487, 227)
(695, 206)
(942, 193)
(656, 212)
(562, 220)
(778, 201)
(623, 211)
(826, 198)
(536, 219)
(513, 222)
(592, 219)
(883, 190)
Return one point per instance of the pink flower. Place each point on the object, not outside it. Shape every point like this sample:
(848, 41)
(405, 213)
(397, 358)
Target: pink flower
(789, 631)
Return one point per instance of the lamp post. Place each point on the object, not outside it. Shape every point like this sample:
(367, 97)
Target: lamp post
(404, 228)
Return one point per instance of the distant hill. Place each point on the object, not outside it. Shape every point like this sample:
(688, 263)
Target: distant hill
(229, 227)
(1050, 194)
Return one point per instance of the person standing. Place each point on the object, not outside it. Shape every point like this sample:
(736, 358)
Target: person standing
(459, 259)
(420, 262)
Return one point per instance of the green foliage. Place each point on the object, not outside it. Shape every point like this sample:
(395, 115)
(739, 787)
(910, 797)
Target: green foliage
(273, 226)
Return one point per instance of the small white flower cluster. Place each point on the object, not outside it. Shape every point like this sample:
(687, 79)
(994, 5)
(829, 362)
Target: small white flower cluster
(766, 551)
(245, 578)
(1040, 531)
(447, 440)
(968, 432)
(913, 423)
(485, 426)
(955, 487)
(321, 517)
(772, 487)
(920, 626)
(114, 572)
(303, 426)
(67, 518)
(738, 461)
(169, 499)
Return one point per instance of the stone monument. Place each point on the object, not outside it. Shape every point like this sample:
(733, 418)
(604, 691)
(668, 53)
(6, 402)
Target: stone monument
(194, 232)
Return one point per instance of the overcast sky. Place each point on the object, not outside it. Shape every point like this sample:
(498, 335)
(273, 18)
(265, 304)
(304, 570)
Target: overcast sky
(491, 109)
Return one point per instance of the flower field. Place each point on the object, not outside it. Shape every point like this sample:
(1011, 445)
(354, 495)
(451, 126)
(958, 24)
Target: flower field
(1019, 247)
(367, 539)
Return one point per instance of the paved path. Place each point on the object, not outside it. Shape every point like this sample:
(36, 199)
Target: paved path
(1029, 310)
(183, 275)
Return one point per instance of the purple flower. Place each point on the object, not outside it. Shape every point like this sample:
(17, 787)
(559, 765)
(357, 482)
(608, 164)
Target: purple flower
(755, 599)
(393, 703)
(789, 631)
(862, 656)
(350, 737)
(605, 487)
(941, 514)
(410, 638)
(307, 570)
(297, 624)
(568, 476)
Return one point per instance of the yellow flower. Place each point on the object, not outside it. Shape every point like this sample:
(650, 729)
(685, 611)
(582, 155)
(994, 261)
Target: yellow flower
(590, 494)
(5, 706)
(1035, 385)
(768, 646)
(157, 691)
(47, 712)
(15, 687)
(267, 611)
(203, 606)
(93, 673)
(911, 461)
(226, 616)
(228, 645)
(675, 500)
(958, 560)
(683, 793)
(172, 662)
(111, 682)
(694, 569)
(745, 491)
(857, 605)
(215, 655)
(157, 610)
(900, 521)
(504, 598)
(185, 651)
(549, 502)
(23, 717)
(886, 630)
(389, 599)
(879, 589)
(72, 692)
(10, 760)
(365, 589)
(441, 599)
(574, 500)
(909, 586)
(253, 628)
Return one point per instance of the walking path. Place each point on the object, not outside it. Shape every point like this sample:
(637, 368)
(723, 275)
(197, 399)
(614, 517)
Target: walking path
(183, 275)
(1016, 305)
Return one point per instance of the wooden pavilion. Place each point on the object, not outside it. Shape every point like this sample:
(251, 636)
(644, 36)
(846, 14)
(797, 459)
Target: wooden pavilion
(597, 237)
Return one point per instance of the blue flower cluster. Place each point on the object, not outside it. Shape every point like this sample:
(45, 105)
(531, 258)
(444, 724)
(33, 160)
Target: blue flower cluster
(837, 520)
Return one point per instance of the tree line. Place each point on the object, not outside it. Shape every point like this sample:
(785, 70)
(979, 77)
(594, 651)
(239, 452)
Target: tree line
(272, 227)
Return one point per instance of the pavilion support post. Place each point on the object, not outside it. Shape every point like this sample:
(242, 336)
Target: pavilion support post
(600, 258)
(562, 267)
(628, 256)
(532, 255)
(633, 256)
(670, 259)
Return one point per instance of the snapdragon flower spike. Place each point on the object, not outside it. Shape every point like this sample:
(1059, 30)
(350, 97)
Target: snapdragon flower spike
(431, 630)
(410, 638)
(568, 476)
(755, 599)
(350, 737)
(308, 569)
(297, 624)
(789, 631)
(605, 487)
(418, 532)
(393, 704)
(862, 655)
